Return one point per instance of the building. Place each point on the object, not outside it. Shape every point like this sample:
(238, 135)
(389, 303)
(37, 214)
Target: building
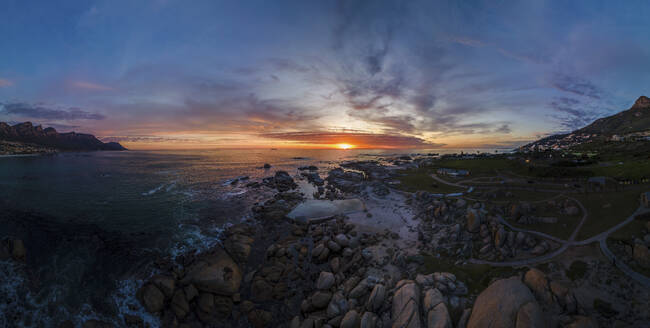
(453, 172)
(645, 199)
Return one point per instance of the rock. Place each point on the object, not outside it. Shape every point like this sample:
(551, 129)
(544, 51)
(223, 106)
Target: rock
(261, 290)
(582, 322)
(219, 274)
(129, 321)
(246, 306)
(165, 284)
(259, 318)
(425, 280)
(320, 299)
(342, 240)
(338, 305)
(499, 304)
(239, 247)
(405, 310)
(369, 320)
(350, 320)
(206, 302)
(438, 317)
(376, 298)
(536, 281)
(335, 264)
(462, 322)
(530, 315)
(432, 298)
(283, 181)
(641, 255)
(190, 292)
(360, 290)
(333, 246)
(179, 304)
(295, 322)
(325, 280)
(267, 166)
(473, 220)
(500, 237)
(151, 298)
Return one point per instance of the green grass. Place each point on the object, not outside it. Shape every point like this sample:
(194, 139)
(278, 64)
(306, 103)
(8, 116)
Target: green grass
(479, 167)
(628, 170)
(577, 270)
(622, 204)
(413, 180)
(562, 229)
(523, 195)
(476, 276)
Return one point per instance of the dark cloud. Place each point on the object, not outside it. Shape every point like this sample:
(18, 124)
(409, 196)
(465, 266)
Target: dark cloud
(505, 128)
(41, 112)
(572, 114)
(359, 139)
(576, 85)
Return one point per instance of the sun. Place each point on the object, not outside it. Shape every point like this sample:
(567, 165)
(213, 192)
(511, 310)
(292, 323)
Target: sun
(344, 146)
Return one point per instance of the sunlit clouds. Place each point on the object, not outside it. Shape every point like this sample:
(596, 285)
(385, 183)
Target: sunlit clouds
(320, 74)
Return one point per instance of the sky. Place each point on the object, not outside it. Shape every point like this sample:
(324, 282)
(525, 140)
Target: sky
(314, 74)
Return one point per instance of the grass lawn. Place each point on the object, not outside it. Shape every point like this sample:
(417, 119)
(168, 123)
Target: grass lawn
(628, 170)
(561, 229)
(479, 167)
(606, 209)
(521, 195)
(476, 276)
(413, 180)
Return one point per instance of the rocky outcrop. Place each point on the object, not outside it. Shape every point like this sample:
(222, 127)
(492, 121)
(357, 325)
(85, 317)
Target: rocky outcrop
(503, 303)
(406, 304)
(217, 274)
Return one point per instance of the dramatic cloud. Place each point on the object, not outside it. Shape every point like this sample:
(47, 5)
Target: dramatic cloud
(576, 85)
(359, 139)
(573, 114)
(41, 112)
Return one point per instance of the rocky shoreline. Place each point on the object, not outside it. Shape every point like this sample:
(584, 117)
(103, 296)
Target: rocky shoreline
(373, 268)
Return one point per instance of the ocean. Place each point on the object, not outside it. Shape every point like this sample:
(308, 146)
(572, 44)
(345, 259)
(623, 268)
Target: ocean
(94, 223)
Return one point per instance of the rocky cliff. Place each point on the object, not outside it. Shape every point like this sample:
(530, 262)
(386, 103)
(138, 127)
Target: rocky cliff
(28, 133)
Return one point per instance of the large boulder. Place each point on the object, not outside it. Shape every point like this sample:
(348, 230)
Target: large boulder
(406, 304)
(151, 298)
(438, 317)
(499, 306)
(239, 246)
(537, 282)
(217, 274)
(351, 320)
(376, 298)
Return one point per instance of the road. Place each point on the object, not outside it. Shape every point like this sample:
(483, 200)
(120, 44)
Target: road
(601, 238)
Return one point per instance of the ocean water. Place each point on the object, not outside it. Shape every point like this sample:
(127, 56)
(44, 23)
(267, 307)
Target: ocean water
(93, 223)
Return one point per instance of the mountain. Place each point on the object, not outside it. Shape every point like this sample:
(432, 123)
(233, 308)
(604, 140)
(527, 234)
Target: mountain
(49, 137)
(632, 122)
(635, 119)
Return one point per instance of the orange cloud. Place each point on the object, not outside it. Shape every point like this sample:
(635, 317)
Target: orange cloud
(353, 139)
(5, 83)
(90, 86)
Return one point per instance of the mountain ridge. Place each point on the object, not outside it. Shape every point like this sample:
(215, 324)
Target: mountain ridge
(26, 132)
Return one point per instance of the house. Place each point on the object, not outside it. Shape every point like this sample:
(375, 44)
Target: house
(453, 172)
(645, 199)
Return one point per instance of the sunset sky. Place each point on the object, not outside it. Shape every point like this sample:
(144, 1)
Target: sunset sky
(405, 74)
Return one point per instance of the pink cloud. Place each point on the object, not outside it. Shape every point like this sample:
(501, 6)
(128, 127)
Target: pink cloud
(5, 83)
(90, 86)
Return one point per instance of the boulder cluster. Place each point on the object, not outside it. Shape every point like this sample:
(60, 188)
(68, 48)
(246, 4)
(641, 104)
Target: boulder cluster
(472, 230)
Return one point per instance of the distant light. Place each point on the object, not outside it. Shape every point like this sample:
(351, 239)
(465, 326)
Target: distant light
(344, 146)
